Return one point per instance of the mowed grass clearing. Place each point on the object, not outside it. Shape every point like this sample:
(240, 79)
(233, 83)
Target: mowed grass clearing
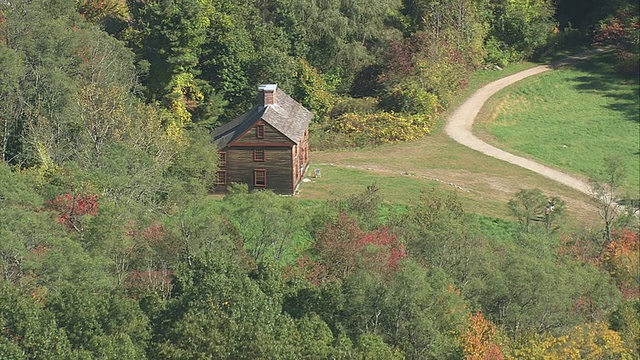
(570, 118)
(402, 171)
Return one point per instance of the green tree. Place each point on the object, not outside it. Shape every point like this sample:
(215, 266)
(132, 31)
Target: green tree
(230, 53)
(531, 205)
(373, 347)
(199, 227)
(268, 226)
(626, 321)
(424, 314)
(316, 338)
(100, 323)
(223, 309)
(28, 330)
(530, 292)
(11, 103)
(452, 21)
(36, 252)
(521, 27)
(193, 169)
(440, 234)
(343, 36)
(170, 36)
(45, 120)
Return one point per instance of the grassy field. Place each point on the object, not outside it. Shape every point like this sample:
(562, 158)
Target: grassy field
(401, 171)
(570, 119)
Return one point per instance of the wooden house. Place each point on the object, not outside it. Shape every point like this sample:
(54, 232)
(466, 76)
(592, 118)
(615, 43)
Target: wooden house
(268, 146)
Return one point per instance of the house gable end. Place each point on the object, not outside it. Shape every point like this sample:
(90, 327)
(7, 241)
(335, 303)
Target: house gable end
(272, 136)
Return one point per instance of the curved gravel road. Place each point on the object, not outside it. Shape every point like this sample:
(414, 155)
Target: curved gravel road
(459, 128)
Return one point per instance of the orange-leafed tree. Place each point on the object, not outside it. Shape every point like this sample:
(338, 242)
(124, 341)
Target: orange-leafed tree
(621, 258)
(479, 340)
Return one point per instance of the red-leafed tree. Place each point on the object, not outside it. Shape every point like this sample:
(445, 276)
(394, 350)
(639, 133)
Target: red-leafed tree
(585, 247)
(72, 207)
(478, 340)
(342, 248)
(382, 248)
(155, 281)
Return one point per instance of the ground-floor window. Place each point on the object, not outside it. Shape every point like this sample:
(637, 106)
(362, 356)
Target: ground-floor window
(260, 178)
(221, 177)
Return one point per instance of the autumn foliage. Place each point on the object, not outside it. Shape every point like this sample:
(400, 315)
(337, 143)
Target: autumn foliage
(342, 248)
(382, 127)
(621, 30)
(152, 255)
(589, 341)
(580, 248)
(620, 258)
(479, 339)
(156, 281)
(72, 207)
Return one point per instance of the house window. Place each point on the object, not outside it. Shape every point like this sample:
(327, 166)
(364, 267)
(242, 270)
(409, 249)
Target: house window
(259, 178)
(260, 131)
(222, 159)
(258, 154)
(221, 177)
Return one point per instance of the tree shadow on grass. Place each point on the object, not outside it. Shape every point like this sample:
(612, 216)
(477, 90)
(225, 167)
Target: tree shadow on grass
(623, 89)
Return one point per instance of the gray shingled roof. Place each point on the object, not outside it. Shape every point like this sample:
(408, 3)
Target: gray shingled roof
(286, 115)
(228, 132)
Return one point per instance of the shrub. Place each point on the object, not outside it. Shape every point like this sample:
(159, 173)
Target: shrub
(411, 98)
(365, 105)
(380, 128)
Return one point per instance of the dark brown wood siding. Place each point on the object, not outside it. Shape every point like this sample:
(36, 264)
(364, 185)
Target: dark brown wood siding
(271, 135)
(241, 166)
(304, 150)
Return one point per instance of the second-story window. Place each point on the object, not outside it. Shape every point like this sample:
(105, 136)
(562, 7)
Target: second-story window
(260, 131)
(222, 159)
(258, 155)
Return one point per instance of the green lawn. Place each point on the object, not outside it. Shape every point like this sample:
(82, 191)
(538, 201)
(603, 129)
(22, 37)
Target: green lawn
(570, 118)
(339, 182)
(555, 109)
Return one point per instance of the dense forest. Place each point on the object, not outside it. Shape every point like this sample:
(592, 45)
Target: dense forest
(111, 248)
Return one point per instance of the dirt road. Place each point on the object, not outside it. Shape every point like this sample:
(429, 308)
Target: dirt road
(459, 129)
